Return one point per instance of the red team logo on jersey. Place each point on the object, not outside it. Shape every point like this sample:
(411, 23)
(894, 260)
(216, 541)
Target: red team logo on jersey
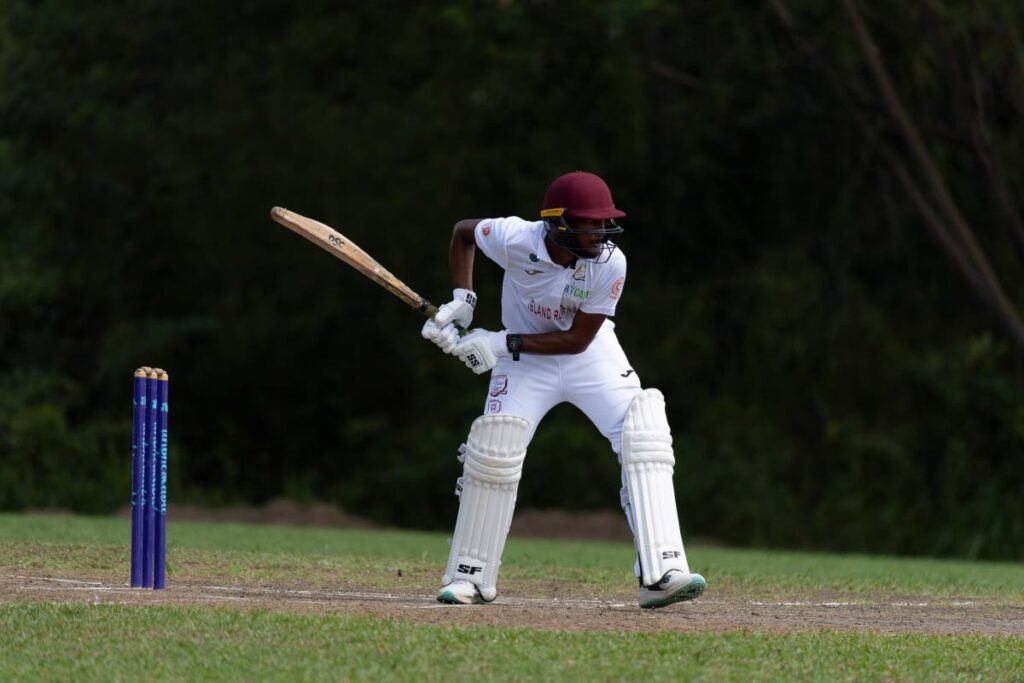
(486, 230)
(617, 287)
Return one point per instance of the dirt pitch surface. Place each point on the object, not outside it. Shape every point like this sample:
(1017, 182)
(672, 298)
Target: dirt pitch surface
(714, 612)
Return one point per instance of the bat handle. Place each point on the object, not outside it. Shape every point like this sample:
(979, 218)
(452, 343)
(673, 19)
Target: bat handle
(430, 310)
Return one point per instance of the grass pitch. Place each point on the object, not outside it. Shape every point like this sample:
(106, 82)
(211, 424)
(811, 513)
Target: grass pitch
(52, 637)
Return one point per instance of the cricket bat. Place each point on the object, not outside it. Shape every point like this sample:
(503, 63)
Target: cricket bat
(329, 239)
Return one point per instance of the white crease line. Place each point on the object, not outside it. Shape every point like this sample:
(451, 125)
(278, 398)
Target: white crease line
(954, 603)
(56, 580)
(571, 604)
(107, 589)
(517, 602)
(364, 595)
(325, 596)
(217, 597)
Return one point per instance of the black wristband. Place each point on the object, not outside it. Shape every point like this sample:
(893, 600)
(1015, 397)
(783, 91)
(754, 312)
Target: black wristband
(514, 343)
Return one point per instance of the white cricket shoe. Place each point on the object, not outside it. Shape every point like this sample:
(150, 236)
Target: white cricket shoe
(460, 593)
(675, 586)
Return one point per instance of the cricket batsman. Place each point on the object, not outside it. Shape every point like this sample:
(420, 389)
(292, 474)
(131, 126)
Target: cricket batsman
(563, 279)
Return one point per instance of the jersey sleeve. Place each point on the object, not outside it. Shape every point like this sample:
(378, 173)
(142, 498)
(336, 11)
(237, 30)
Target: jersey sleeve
(493, 234)
(608, 289)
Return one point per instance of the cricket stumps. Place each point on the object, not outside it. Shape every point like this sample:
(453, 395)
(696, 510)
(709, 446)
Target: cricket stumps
(149, 478)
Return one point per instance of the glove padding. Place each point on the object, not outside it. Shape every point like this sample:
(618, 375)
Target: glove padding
(459, 310)
(445, 337)
(480, 350)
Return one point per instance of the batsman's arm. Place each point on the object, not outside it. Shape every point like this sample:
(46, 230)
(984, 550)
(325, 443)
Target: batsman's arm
(574, 340)
(461, 252)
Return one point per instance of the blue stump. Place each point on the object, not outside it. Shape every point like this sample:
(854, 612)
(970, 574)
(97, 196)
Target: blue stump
(138, 473)
(160, 535)
(150, 484)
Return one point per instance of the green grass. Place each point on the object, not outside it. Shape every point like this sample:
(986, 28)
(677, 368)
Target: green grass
(44, 641)
(269, 552)
(115, 643)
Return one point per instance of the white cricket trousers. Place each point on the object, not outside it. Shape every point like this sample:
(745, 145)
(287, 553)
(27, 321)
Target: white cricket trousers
(600, 382)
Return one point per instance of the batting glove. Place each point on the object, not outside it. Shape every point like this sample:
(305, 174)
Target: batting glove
(459, 310)
(445, 337)
(480, 350)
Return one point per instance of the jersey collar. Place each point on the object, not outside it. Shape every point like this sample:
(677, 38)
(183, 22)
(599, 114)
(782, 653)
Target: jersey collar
(540, 249)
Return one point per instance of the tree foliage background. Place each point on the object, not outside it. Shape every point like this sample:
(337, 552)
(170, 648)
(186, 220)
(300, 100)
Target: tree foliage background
(840, 357)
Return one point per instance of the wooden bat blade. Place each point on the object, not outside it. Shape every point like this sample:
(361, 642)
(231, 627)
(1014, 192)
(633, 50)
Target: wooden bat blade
(330, 240)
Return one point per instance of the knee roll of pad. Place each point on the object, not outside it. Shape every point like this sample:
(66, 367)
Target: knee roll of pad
(647, 461)
(493, 465)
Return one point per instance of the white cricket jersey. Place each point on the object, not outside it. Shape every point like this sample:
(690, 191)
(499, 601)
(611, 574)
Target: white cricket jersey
(539, 295)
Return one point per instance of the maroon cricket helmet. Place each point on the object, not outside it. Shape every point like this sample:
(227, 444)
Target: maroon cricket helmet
(580, 195)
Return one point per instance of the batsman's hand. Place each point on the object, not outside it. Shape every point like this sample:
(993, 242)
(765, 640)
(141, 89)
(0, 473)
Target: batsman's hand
(480, 350)
(459, 310)
(445, 337)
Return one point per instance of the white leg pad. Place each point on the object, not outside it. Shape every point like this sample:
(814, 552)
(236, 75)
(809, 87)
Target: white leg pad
(494, 463)
(647, 463)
